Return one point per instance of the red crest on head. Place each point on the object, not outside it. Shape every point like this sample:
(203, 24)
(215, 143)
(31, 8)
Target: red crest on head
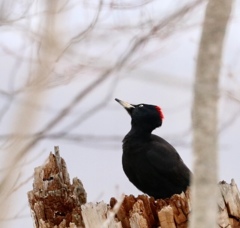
(160, 112)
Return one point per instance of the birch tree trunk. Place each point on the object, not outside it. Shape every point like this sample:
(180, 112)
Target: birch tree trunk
(205, 110)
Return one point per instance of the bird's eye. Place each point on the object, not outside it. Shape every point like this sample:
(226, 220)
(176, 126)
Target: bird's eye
(140, 106)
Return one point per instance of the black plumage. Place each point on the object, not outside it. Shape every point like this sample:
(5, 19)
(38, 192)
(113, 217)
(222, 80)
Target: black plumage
(150, 162)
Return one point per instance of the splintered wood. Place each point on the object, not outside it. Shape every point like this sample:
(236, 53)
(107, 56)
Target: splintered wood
(57, 203)
(145, 212)
(54, 201)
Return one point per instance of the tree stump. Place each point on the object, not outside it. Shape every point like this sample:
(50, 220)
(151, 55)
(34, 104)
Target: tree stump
(55, 202)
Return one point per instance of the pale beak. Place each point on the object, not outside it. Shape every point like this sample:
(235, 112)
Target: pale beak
(129, 107)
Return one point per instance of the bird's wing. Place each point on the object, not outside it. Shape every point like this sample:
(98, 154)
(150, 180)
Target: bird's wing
(166, 161)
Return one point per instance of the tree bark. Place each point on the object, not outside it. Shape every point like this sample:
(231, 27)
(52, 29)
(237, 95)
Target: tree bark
(205, 110)
(54, 201)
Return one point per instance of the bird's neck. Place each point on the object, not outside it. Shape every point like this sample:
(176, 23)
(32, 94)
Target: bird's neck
(139, 132)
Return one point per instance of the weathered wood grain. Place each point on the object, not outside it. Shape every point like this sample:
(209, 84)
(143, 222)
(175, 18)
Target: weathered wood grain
(55, 202)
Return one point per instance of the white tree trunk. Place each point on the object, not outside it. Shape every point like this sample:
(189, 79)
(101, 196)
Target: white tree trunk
(205, 110)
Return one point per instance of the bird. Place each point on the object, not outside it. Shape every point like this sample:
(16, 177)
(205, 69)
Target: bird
(150, 162)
